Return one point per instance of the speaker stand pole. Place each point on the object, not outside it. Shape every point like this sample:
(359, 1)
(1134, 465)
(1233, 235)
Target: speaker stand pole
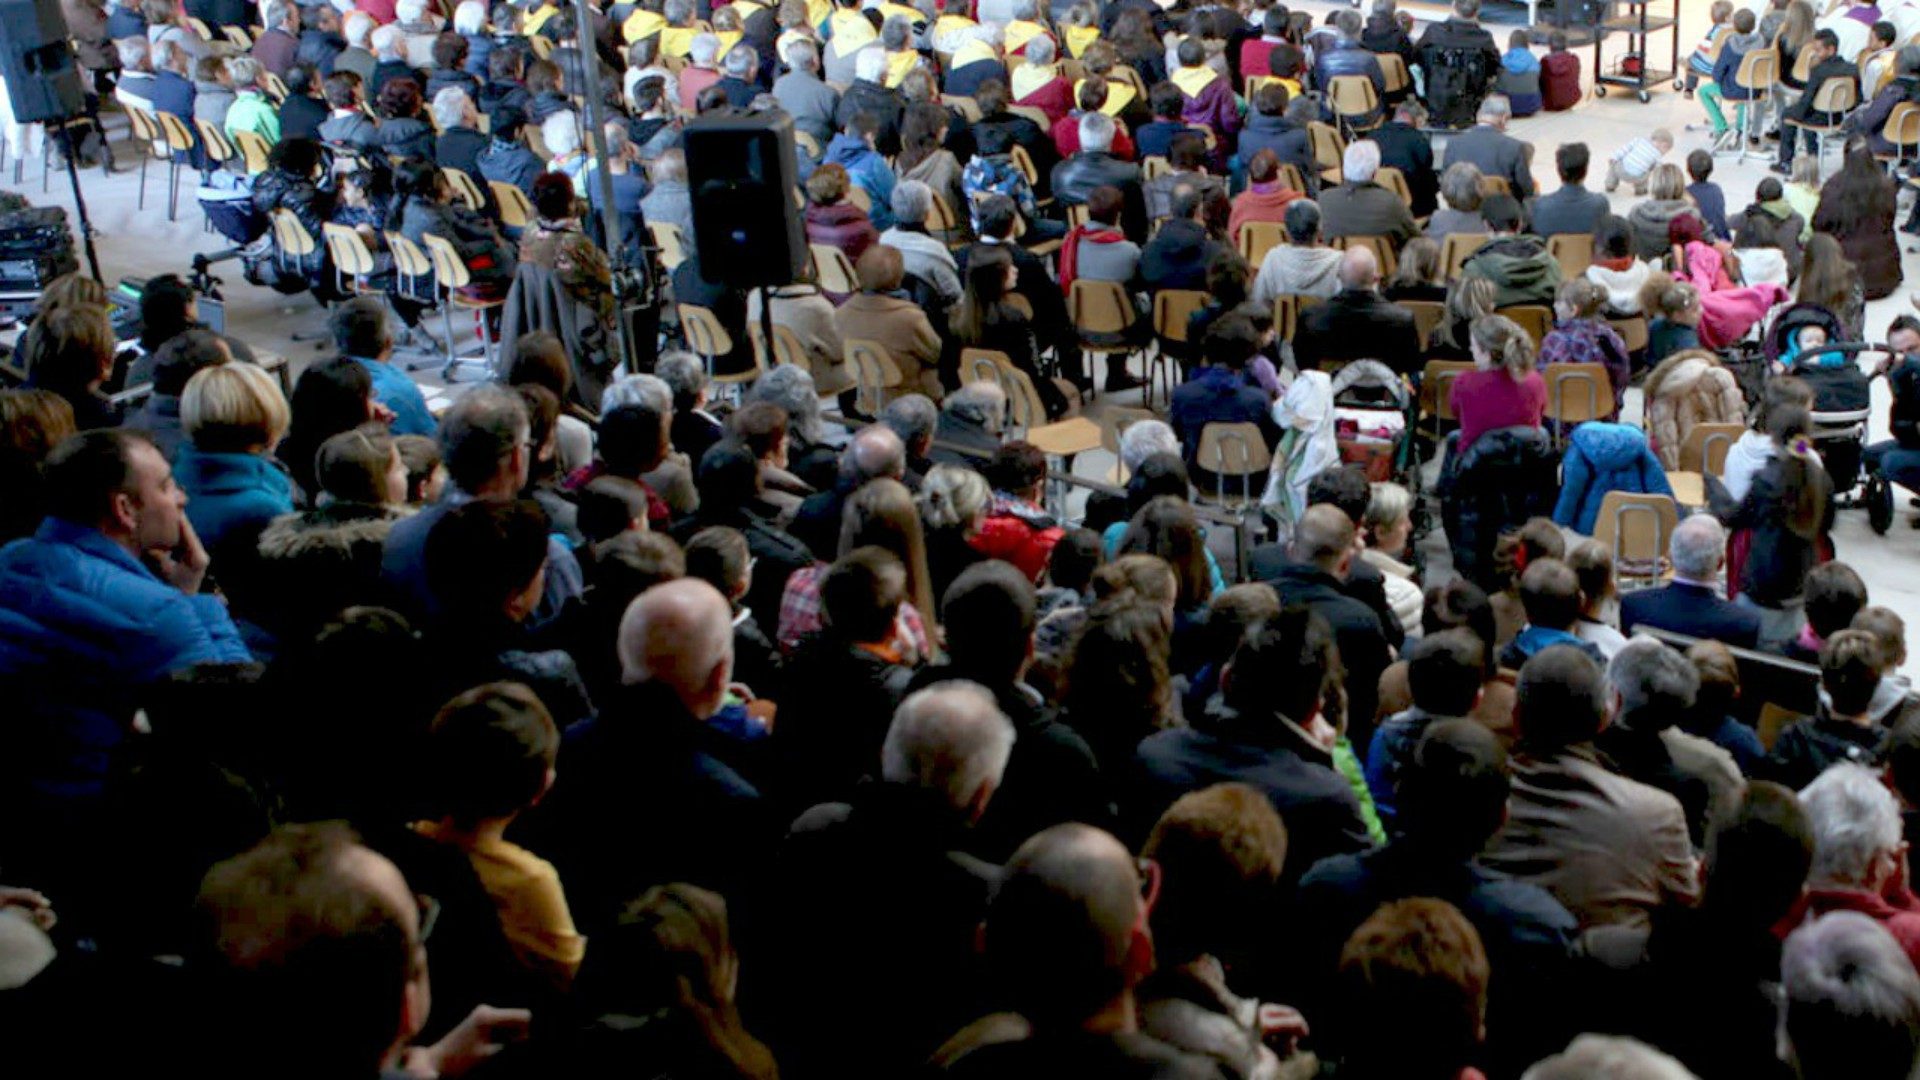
(79, 202)
(588, 41)
(766, 326)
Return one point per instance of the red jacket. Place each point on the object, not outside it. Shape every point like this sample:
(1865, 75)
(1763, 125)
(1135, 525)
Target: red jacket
(1559, 81)
(842, 225)
(1020, 533)
(1904, 925)
(1054, 97)
(1066, 137)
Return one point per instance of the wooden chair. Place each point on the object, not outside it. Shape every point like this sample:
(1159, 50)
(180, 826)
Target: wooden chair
(1394, 68)
(239, 37)
(352, 261)
(1637, 528)
(672, 245)
(787, 348)
(147, 133)
(861, 198)
(1026, 414)
(412, 268)
(1633, 332)
(200, 27)
(1292, 178)
(1382, 247)
(1577, 393)
(1902, 129)
(179, 141)
(464, 188)
(808, 143)
(1573, 251)
(1535, 319)
(1024, 162)
(1759, 71)
(1436, 390)
(1234, 452)
(292, 243)
(275, 86)
(1457, 248)
(254, 151)
(1253, 84)
(945, 223)
(1329, 149)
(1256, 238)
(876, 377)
(1354, 102)
(1102, 313)
(1114, 422)
(219, 149)
(833, 270)
(1286, 315)
(542, 46)
(1154, 166)
(1427, 317)
(1705, 449)
(516, 210)
(451, 275)
(1077, 215)
(1835, 97)
(705, 336)
(1395, 181)
(1171, 310)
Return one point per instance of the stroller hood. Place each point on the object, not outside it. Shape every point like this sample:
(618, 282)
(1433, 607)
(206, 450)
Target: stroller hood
(1790, 321)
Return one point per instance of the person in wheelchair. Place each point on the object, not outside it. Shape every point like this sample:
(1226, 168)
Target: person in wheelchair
(1459, 62)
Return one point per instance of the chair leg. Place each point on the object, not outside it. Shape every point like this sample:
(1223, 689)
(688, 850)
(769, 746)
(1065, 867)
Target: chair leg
(173, 188)
(446, 318)
(141, 202)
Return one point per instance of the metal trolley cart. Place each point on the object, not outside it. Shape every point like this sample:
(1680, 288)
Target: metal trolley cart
(1640, 22)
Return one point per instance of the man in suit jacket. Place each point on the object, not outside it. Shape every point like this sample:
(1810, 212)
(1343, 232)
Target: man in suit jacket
(1357, 323)
(1689, 605)
(1572, 209)
(1488, 146)
(1361, 207)
(1405, 147)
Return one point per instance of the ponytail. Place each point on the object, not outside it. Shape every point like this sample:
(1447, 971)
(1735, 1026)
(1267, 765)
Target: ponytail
(1806, 487)
(1664, 297)
(1507, 346)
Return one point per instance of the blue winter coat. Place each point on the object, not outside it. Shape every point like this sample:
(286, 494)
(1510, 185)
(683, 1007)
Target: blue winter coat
(84, 629)
(867, 169)
(1601, 458)
(230, 493)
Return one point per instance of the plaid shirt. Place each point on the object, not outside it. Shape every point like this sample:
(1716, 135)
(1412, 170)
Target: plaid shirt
(800, 614)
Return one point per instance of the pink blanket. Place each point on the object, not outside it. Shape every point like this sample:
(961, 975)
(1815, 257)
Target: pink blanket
(1727, 312)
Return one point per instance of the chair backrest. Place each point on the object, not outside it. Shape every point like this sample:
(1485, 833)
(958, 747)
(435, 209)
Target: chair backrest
(1382, 246)
(175, 131)
(1395, 181)
(275, 86)
(1394, 68)
(1077, 215)
(542, 46)
(516, 210)
(1436, 386)
(874, 373)
(145, 127)
(1099, 307)
(1022, 161)
(199, 27)
(1329, 149)
(409, 262)
(1114, 422)
(465, 188)
(1154, 166)
(1353, 96)
(1636, 527)
(291, 237)
(350, 254)
(1234, 452)
(219, 147)
(833, 270)
(1457, 248)
(254, 151)
(1171, 310)
(787, 347)
(1033, 113)
(1573, 251)
(980, 365)
(238, 36)
(1252, 85)
(673, 246)
(1427, 317)
(1705, 449)
(448, 267)
(536, 142)
(1578, 392)
(1802, 66)
(943, 220)
(1902, 128)
(1256, 238)
(1535, 319)
(1292, 178)
(861, 198)
(808, 143)
(1633, 332)
(1836, 95)
(969, 108)
(1286, 315)
(703, 332)
(1759, 70)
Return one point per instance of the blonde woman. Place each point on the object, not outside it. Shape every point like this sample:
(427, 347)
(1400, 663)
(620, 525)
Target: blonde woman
(1505, 388)
(1666, 199)
(1388, 530)
(233, 415)
(953, 504)
(881, 514)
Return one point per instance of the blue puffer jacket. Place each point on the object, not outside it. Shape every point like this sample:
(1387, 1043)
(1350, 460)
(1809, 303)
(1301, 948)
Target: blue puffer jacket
(228, 494)
(867, 169)
(1602, 458)
(84, 629)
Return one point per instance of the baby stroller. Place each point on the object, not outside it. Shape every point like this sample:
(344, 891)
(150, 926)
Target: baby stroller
(1373, 422)
(1842, 395)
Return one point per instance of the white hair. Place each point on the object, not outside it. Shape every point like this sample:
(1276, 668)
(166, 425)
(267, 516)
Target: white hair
(684, 373)
(802, 55)
(1025, 10)
(409, 11)
(470, 17)
(649, 390)
(1614, 1057)
(1360, 162)
(949, 738)
(703, 48)
(1848, 995)
(982, 403)
(1656, 684)
(1040, 50)
(358, 28)
(741, 60)
(1096, 132)
(244, 71)
(1495, 108)
(791, 387)
(561, 133)
(1145, 438)
(870, 64)
(134, 52)
(278, 12)
(450, 107)
(1698, 545)
(387, 42)
(990, 33)
(1854, 819)
(912, 200)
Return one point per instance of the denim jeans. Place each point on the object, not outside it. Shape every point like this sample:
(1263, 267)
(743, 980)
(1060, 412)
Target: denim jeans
(1897, 465)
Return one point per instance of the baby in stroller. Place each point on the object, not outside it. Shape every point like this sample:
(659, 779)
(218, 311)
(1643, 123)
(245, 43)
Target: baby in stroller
(1808, 341)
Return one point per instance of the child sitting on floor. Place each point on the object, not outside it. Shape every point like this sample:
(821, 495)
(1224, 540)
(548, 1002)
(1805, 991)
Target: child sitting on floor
(1559, 75)
(1520, 75)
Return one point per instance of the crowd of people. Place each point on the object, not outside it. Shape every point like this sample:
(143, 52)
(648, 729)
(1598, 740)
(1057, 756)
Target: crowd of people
(601, 721)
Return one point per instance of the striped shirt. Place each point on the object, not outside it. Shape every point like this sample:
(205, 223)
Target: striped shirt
(1637, 158)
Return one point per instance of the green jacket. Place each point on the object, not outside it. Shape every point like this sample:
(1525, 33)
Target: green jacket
(251, 111)
(1521, 270)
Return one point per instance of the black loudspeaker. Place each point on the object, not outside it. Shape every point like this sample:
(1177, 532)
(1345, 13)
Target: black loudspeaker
(741, 172)
(43, 82)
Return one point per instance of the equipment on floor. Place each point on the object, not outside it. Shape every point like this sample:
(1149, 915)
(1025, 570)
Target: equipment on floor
(36, 246)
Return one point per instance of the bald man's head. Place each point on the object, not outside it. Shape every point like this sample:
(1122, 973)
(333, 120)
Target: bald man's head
(876, 451)
(1066, 933)
(680, 634)
(1359, 268)
(1324, 537)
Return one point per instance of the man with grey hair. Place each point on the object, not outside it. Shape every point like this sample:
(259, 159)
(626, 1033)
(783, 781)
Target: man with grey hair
(913, 418)
(1304, 265)
(926, 258)
(1458, 63)
(1094, 166)
(874, 452)
(1357, 322)
(483, 443)
(672, 479)
(970, 417)
(1496, 153)
(461, 140)
(136, 72)
(1615, 1057)
(812, 103)
(1651, 688)
(1692, 604)
(880, 897)
(275, 49)
(1859, 855)
(1144, 438)
(738, 71)
(870, 94)
(641, 797)
(1849, 1006)
(1361, 207)
(1315, 574)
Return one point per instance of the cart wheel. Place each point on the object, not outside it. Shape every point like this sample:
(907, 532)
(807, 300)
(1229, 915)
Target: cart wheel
(1645, 97)
(1599, 91)
(1678, 85)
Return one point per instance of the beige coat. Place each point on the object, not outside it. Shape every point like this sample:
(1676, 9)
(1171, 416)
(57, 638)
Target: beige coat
(1686, 389)
(902, 327)
(801, 309)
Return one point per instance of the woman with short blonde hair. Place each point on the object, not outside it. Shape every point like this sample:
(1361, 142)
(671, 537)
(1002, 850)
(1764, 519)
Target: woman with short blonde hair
(234, 415)
(234, 408)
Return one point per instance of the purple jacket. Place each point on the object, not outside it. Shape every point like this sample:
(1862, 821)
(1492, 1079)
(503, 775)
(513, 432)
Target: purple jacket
(1215, 107)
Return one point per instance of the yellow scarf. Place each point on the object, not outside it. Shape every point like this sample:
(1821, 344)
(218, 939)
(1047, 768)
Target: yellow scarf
(1027, 78)
(849, 32)
(972, 53)
(818, 11)
(1119, 96)
(1018, 33)
(1079, 37)
(538, 19)
(728, 39)
(642, 23)
(677, 40)
(747, 8)
(1192, 80)
(913, 17)
(948, 24)
(900, 65)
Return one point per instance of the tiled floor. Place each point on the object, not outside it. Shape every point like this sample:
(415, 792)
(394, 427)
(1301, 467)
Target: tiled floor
(138, 242)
